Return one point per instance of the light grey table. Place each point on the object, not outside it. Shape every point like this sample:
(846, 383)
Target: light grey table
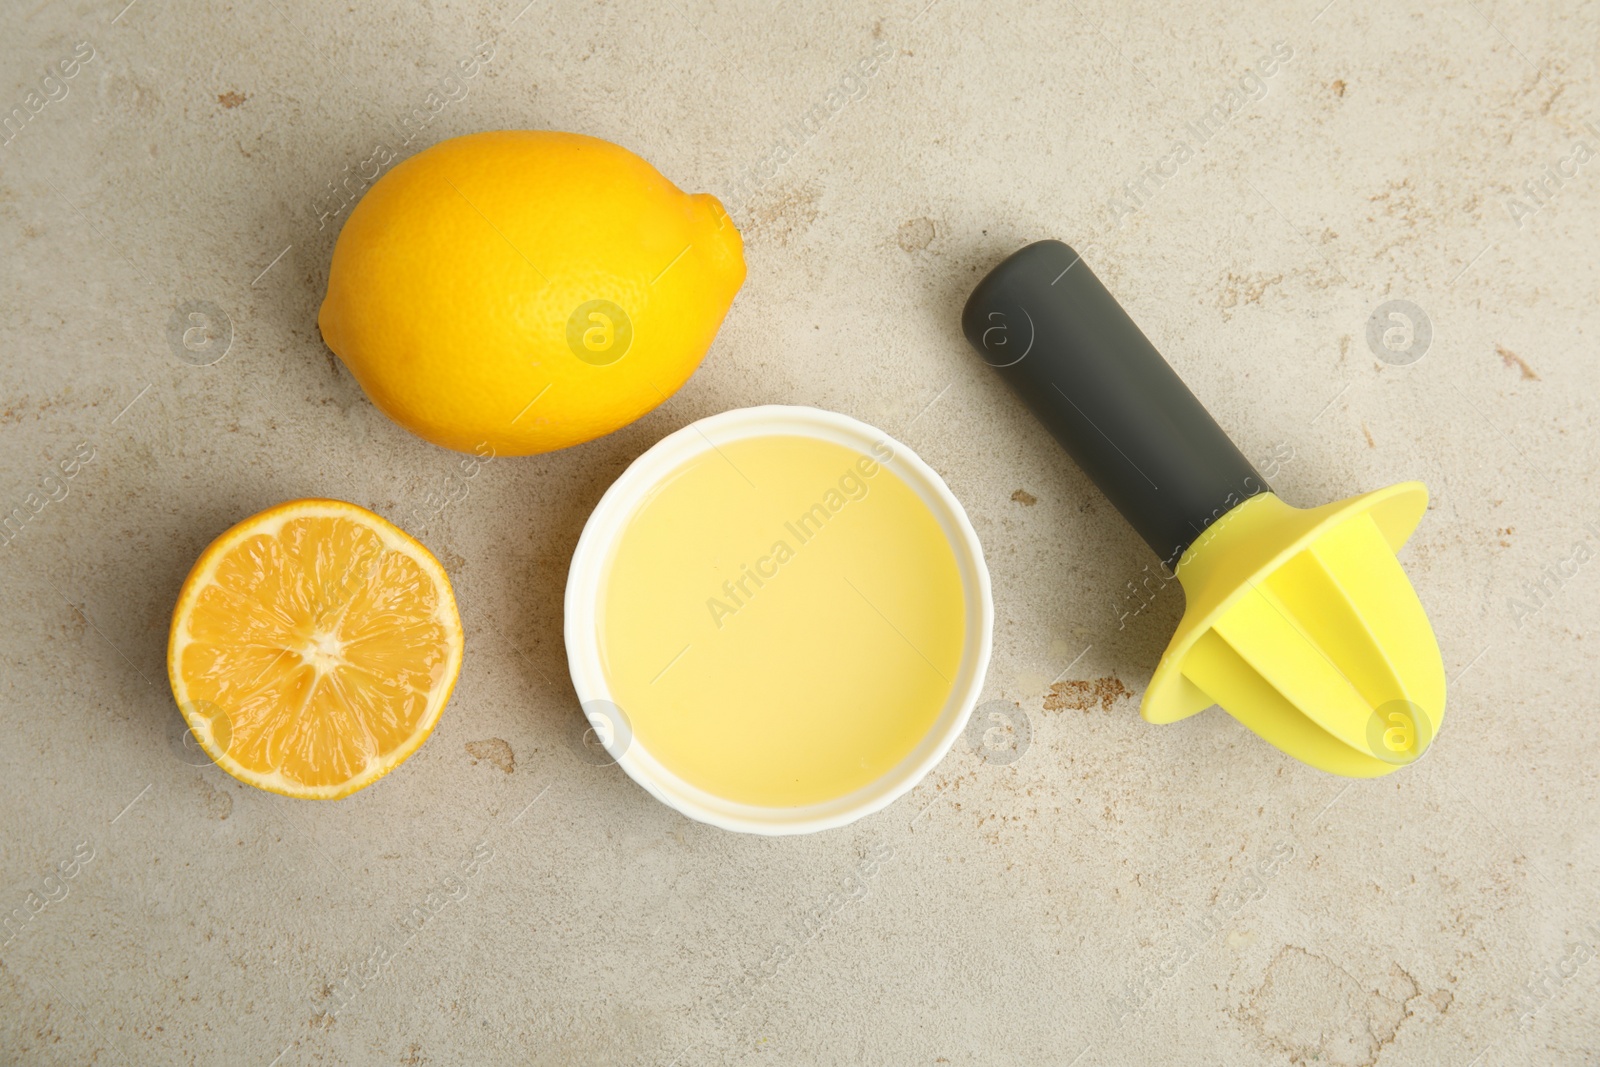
(1122, 893)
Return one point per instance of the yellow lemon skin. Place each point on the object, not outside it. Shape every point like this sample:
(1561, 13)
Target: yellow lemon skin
(527, 290)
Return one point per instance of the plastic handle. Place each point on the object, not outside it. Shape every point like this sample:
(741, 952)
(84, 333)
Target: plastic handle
(1047, 325)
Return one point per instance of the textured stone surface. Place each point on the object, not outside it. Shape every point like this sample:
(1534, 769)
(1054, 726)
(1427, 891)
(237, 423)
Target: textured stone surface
(1120, 893)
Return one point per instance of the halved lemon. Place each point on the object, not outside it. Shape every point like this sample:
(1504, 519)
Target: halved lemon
(313, 647)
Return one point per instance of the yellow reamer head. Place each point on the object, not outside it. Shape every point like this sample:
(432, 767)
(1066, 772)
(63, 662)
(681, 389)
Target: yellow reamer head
(1301, 624)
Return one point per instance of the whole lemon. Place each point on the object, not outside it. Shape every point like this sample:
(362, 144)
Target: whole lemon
(525, 290)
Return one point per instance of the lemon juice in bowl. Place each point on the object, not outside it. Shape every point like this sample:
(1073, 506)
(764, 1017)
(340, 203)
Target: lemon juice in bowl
(781, 619)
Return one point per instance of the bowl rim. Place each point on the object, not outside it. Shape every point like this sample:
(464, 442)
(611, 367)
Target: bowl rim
(587, 572)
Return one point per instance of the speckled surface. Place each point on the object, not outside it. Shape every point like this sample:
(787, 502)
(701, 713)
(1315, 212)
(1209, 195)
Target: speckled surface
(1121, 893)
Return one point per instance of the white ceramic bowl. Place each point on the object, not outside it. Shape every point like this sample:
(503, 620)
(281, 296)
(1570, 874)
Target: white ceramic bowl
(586, 580)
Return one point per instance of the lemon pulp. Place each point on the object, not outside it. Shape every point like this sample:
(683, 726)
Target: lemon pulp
(782, 620)
(313, 648)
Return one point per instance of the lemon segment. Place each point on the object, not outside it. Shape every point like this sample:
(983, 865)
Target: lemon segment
(313, 648)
